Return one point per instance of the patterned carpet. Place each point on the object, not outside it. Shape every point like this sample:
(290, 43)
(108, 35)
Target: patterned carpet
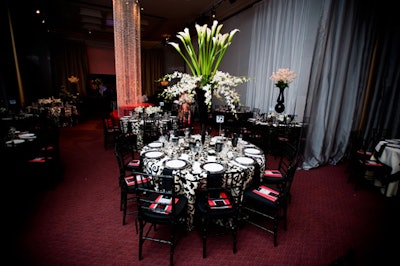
(78, 221)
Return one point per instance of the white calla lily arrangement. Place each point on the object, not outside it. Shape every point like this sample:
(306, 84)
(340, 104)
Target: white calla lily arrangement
(203, 64)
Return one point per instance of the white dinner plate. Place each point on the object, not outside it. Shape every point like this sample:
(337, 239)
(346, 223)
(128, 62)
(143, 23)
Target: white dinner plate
(176, 164)
(243, 160)
(27, 136)
(213, 167)
(155, 145)
(252, 151)
(15, 142)
(154, 154)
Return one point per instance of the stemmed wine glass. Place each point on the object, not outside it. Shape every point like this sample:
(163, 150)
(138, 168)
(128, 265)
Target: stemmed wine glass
(209, 130)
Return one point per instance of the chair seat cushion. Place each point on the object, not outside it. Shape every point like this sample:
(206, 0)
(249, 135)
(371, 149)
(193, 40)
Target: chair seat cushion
(372, 163)
(133, 163)
(262, 195)
(159, 209)
(217, 204)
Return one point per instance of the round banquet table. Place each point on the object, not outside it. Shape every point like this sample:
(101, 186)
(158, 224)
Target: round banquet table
(190, 163)
(389, 151)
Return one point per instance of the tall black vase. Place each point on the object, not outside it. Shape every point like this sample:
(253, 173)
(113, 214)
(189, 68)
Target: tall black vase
(203, 112)
(280, 106)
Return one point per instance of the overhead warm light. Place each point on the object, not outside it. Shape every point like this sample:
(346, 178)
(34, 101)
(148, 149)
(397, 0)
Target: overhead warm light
(213, 13)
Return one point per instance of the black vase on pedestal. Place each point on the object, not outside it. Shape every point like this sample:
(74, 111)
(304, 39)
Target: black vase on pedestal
(280, 106)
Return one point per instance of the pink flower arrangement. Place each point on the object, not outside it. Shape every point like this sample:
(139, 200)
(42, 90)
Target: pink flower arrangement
(283, 77)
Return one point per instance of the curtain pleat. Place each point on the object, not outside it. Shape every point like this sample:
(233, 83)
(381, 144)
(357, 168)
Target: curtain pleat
(347, 59)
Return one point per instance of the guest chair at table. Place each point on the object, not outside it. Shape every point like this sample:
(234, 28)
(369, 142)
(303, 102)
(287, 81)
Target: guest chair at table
(44, 159)
(124, 152)
(363, 166)
(110, 130)
(278, 176)
(129, 193)
(151, 130)
(159, 208)
(127, 153)
(385, 181)
(216, 204)
(264, 206)
(280, 135)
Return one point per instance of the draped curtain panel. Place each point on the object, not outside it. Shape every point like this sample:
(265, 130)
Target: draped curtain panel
(152, 70)
(345, 55)
(281, 32)
(70, 58)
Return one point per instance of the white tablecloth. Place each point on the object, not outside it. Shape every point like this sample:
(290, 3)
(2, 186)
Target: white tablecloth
(390, 156)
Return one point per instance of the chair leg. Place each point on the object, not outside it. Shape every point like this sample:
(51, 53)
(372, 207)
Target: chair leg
(121, 202)
(204, 237)
(141, 240)
(275, 230)
(234, 235)
(124, 207)
(171, 252)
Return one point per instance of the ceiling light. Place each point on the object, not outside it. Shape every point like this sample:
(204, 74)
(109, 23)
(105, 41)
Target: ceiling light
(213, 13)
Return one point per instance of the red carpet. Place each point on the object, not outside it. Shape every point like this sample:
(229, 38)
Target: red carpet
(78, 222)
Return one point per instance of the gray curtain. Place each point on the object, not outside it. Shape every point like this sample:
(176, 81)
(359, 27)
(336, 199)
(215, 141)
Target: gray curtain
(347, 58)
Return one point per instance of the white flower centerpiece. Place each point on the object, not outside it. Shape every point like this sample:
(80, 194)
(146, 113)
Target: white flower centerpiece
(203, 64)
(282, 78)
(148, 110)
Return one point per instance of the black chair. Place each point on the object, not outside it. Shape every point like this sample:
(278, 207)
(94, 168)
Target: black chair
(129, 192)
(385, 181)
(218, 209)
(124, 151)
(363, 167)
(110, 131)
(278, 176)
(127, 153)
(159, 205)
(44, 158)
(264, 206)
(280, 135)
(151, 130)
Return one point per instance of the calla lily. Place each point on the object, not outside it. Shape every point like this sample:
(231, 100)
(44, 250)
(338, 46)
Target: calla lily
(203, 64)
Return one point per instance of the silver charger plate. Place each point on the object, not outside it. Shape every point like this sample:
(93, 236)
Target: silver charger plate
(213, 167)
(176, 164)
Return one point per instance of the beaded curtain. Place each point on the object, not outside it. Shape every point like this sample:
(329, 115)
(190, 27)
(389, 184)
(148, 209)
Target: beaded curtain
(127, 53)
